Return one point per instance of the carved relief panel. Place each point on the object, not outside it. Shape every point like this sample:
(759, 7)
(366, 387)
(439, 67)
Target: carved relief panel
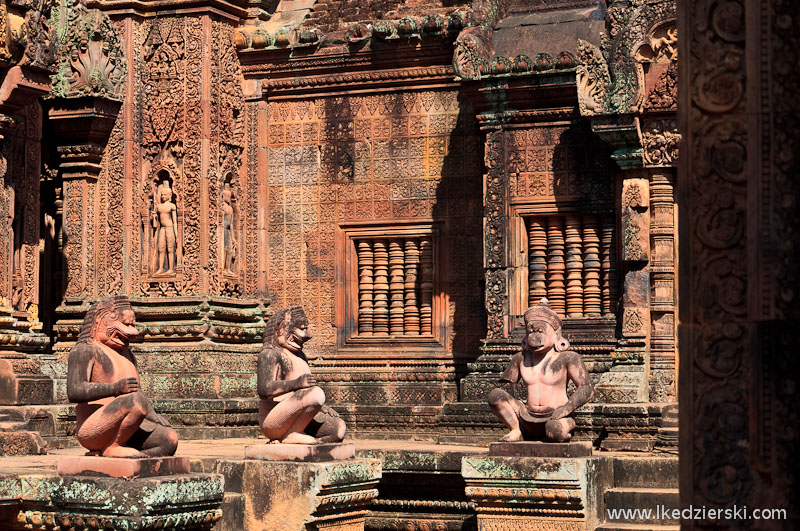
(380, 160)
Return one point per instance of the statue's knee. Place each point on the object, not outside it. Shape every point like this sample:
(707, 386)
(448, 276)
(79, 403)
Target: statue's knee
(559, 430)
(315, 397)
(497, 396)
(170, 443)
(139, 403)
(341, 429)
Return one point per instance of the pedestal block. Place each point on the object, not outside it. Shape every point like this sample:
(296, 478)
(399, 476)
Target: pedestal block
(181, 501)
(536, 493)
(300, 452)
(119, 467)
(290, 495)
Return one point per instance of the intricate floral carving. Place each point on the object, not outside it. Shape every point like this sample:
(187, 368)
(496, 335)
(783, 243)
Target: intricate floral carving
(660, 141)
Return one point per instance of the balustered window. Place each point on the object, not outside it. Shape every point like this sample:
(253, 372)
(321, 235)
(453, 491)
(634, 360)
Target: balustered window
(572, 262)
(389, 285)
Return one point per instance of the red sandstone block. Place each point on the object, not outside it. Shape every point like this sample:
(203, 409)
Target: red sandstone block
(118, 467)
(540, 449)
(300, 452)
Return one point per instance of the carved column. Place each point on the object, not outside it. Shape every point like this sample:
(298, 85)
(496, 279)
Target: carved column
(81, 127)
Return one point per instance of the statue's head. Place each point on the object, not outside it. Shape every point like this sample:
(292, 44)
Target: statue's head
(110, 321)
(543, 329)
(165, 192)
(288, 328)
(227, 193)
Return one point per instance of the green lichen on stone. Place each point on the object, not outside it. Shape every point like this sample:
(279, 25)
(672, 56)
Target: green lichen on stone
(89, 56)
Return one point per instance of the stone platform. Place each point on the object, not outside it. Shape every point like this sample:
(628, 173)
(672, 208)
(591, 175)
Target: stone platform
(118, 467)
(300, 452)
(421, 485)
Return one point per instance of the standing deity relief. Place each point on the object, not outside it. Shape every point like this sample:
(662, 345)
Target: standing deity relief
(230, 223)
(163, 243)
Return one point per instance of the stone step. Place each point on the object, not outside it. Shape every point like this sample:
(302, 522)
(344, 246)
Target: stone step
(617, 526)
(656, 472)
(643, 500)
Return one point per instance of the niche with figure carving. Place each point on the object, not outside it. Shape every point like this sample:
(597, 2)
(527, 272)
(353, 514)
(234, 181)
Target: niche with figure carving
(161, 224)
(230, 227)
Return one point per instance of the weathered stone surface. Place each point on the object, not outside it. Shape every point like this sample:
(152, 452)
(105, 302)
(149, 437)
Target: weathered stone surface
(300, 452)
(540, 449)
(22, 443)
(520, 493)
(121, 467)
(183, 501)
(298, 496)
(420, 489)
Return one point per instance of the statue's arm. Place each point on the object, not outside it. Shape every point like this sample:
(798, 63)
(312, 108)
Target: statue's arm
(79, 388)
(584, 391)
(271, 374)
(174, 215)
(511, 374)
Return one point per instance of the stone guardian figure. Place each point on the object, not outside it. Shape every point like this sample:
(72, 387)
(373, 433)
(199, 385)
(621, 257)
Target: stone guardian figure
(546, 365)
(115, 419)
(292, 407)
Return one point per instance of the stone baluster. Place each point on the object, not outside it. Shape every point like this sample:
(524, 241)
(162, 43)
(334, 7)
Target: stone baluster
(411, 321)
(426, 287)
(608, 267)
(396, 287)
(365, 288)
(591, 267)
(380, 314)
(574, 263)
(537, 261)
(555, 264)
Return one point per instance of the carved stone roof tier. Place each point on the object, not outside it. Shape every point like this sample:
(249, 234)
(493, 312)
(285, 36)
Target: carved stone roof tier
(549, 28)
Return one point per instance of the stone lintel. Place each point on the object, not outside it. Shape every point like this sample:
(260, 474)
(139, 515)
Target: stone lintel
(119, 467)
(541, 449)
(300, 452)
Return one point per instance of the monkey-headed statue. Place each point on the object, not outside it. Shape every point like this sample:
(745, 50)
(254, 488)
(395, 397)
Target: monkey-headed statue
(545, 365)
(115, 419)
(292, 408)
